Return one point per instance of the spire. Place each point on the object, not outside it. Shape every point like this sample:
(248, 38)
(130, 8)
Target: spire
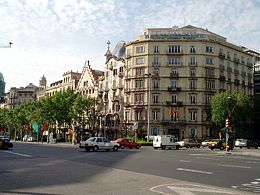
(108, 54)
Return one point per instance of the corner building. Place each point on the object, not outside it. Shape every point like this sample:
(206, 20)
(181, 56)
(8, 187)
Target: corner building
(180, 69)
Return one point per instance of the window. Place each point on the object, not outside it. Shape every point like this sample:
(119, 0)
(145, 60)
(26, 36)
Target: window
(174, 61)
(137, 115)
(173, 84)
(155, 114)
(127, 114)
(114, 72)
(193, 98)
(193, 115)
(121, 69)
(128, 52)
(155, 131)
(192, 49)
(139, 71)
(174, 49)
(174, 98)
(208, 98)
(128, 63)
(192, 72)
(192, 84)
(193, 61)
(139, 61)
(156, 49)
(155, 98)
(209, 49)
(139, 49)
(156, 83)
(139, 97)
(156, 61)
(210, 84)
(209, 72)
(139, 84)
(209, 60)
(174, 71)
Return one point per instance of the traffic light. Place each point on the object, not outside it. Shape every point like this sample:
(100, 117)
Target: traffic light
(228, 124)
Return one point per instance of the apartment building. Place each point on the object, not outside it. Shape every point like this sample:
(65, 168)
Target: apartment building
(171, 74)
(18, 96)
(70, 80)
(256, 115)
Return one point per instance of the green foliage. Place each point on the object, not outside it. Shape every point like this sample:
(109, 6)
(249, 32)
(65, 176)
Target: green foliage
(63, 108)
(233, 105)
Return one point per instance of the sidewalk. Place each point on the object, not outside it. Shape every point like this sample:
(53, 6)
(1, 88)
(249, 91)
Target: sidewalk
(244, 152)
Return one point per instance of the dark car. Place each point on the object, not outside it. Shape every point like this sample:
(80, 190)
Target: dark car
(246, 143)
(125, 142)
(5, 143)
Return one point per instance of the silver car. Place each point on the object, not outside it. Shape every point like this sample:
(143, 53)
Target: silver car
(99, 143)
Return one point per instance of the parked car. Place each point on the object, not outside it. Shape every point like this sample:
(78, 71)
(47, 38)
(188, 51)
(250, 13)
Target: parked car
(217, 144)
(125, 142)
(5, 142)
(189, 143)
(99, 143)
(165, 141)
(245, 143)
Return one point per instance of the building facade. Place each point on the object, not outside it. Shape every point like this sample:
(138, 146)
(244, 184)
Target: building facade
(18, 96)
(171, 75)
(111, 93)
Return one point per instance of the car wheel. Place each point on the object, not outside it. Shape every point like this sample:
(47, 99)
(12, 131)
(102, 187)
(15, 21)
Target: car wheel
(187, 146)
(137, 147)
(177, 147)
(256, 147)
(198, 146)
(212, 148)
(248, 147)
(115, 148)
(122, 146)
(221, 148)
(95, 149)
(240, 147)
(163, 147)
(155, 148)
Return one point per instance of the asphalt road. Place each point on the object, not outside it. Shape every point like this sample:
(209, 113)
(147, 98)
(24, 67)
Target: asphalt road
(65, 169)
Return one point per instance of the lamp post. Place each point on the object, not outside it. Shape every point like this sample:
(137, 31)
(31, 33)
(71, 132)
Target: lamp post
(148, 106)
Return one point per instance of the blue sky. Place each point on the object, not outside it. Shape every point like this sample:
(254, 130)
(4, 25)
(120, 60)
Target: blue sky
(51, 37)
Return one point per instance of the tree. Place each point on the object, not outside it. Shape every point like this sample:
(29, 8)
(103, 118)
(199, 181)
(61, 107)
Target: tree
(236, 106)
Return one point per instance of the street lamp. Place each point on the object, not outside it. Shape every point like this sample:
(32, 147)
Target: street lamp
(228, 123)
(148, 106)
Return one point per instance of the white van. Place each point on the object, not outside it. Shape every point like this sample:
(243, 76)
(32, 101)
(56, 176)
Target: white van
(165, 141)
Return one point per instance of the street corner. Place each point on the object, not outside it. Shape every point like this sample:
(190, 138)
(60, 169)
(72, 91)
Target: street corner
(191, 189)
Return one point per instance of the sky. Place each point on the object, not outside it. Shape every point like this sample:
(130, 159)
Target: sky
(51, 37)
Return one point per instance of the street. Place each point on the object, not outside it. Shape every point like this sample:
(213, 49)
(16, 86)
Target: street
(34, 168)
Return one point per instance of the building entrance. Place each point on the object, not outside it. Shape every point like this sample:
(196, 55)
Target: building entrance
(174, 132)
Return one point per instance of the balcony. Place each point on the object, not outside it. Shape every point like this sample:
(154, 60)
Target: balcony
(174, 89)
(174, 75)
(222, 77)
(221, 55)
(169, 103)
(127, 104)
(221, 67)
(168, 122)
(228, 57)
(192, 63)
(229, 80)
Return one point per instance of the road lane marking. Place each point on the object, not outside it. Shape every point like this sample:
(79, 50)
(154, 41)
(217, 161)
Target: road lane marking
(188, 189)
(235, 166)
(186, 161)
(194, 171)
(19, 154)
